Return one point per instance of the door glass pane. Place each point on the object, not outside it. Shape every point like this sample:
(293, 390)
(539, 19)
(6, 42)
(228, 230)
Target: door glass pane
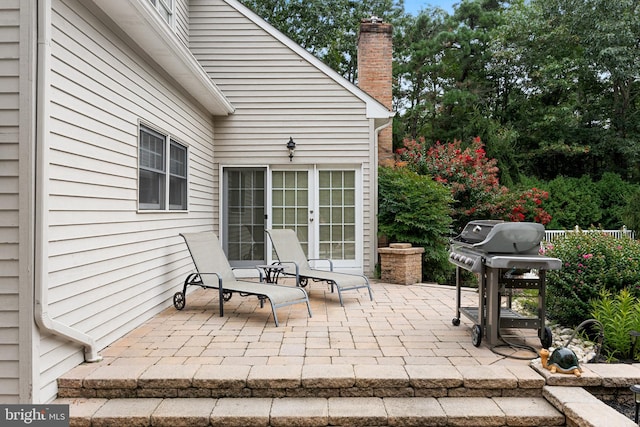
(289, 217)
(337, 215)
(290, 204)
(325, 198)
(350, 215)
(350, 233)
(350, 197)
(244, 215)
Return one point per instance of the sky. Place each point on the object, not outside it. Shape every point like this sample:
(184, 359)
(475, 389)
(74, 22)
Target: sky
(414, 6)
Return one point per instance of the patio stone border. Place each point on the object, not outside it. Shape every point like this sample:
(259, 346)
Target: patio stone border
(377, 394)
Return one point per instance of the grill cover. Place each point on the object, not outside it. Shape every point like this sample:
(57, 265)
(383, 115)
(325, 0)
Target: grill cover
(499, 237)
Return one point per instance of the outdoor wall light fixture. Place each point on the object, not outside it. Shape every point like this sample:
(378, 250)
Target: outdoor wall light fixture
(636, 397)
(291, 146)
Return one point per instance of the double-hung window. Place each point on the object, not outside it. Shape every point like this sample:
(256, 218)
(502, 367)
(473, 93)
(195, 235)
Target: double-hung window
(162, 166)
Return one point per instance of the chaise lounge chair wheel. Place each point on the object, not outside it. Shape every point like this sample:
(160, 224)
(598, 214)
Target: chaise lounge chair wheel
(179, 300)
(476, 335)
(226, 295)
(455, 321)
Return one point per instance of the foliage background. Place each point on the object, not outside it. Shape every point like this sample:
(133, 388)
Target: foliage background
(415, 209)
(551, 87)
(592, 263)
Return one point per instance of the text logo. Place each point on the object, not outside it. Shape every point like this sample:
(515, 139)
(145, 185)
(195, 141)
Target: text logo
(34, 415)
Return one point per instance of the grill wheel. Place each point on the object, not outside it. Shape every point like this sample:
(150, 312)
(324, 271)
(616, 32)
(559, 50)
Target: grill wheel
(476, 335)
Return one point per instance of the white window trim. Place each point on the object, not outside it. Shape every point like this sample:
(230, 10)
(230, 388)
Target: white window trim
(168, 140)
(168, 6)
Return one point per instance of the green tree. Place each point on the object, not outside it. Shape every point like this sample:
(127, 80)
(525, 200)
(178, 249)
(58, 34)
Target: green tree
(551, 86)
(417, 70)
(614, 193)
(327, 29)
(576, 100)
(453, 82)
(631, 211)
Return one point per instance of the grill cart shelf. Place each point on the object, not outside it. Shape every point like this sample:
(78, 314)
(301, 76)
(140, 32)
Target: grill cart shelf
(493, 250)
(494, 310)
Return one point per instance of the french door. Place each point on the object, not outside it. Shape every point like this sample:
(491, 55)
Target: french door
(322, 205)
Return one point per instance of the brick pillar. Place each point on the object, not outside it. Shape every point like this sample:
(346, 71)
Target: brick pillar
(375, 74)
(401, 263)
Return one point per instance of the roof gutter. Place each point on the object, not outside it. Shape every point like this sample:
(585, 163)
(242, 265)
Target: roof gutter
(150, 33)
(41, 293)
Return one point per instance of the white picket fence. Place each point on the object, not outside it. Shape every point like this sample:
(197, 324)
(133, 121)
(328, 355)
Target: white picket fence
(552, 234)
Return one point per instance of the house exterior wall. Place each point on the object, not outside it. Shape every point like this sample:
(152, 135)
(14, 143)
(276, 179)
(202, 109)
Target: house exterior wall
(279, 94)
(12, 39)
(181, 25)
(110, 267)
(107, 267)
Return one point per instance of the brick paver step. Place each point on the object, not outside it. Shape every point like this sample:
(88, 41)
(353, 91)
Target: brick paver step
(314, 411)
(217, 381)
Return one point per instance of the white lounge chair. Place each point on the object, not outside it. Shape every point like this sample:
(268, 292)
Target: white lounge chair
(292, 257)
(214, 272)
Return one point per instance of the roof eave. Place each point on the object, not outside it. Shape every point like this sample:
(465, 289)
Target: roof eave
(144, 26)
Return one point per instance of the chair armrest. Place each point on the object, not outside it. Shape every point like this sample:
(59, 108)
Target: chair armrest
(249, 268)
(295, 264)
(324, 259)
(213, 274)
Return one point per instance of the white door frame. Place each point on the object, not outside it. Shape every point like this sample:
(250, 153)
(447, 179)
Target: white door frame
(313, 172)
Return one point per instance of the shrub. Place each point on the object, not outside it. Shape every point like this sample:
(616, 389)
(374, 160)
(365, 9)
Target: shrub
(415, 209)
(619, 316)
(524, 205)
(614, 194)
(472, 178)
(467, 171)
(573, 201)
(591, 262)
(630, 213)
(608, 203)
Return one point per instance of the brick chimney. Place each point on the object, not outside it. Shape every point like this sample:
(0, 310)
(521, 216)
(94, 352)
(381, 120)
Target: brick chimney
(375, 74)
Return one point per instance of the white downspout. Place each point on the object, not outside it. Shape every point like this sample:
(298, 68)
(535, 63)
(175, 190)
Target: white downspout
(374, 176)
(41, 302)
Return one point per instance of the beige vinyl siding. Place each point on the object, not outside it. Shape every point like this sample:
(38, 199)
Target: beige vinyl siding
(277, 94)
(9, 207)
(111, 267)
(182, 21)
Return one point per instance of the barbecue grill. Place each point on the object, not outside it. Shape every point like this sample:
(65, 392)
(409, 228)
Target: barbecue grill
(505, 256)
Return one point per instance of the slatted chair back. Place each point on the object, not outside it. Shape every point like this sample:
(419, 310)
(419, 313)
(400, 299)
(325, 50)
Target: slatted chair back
(208, 255)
